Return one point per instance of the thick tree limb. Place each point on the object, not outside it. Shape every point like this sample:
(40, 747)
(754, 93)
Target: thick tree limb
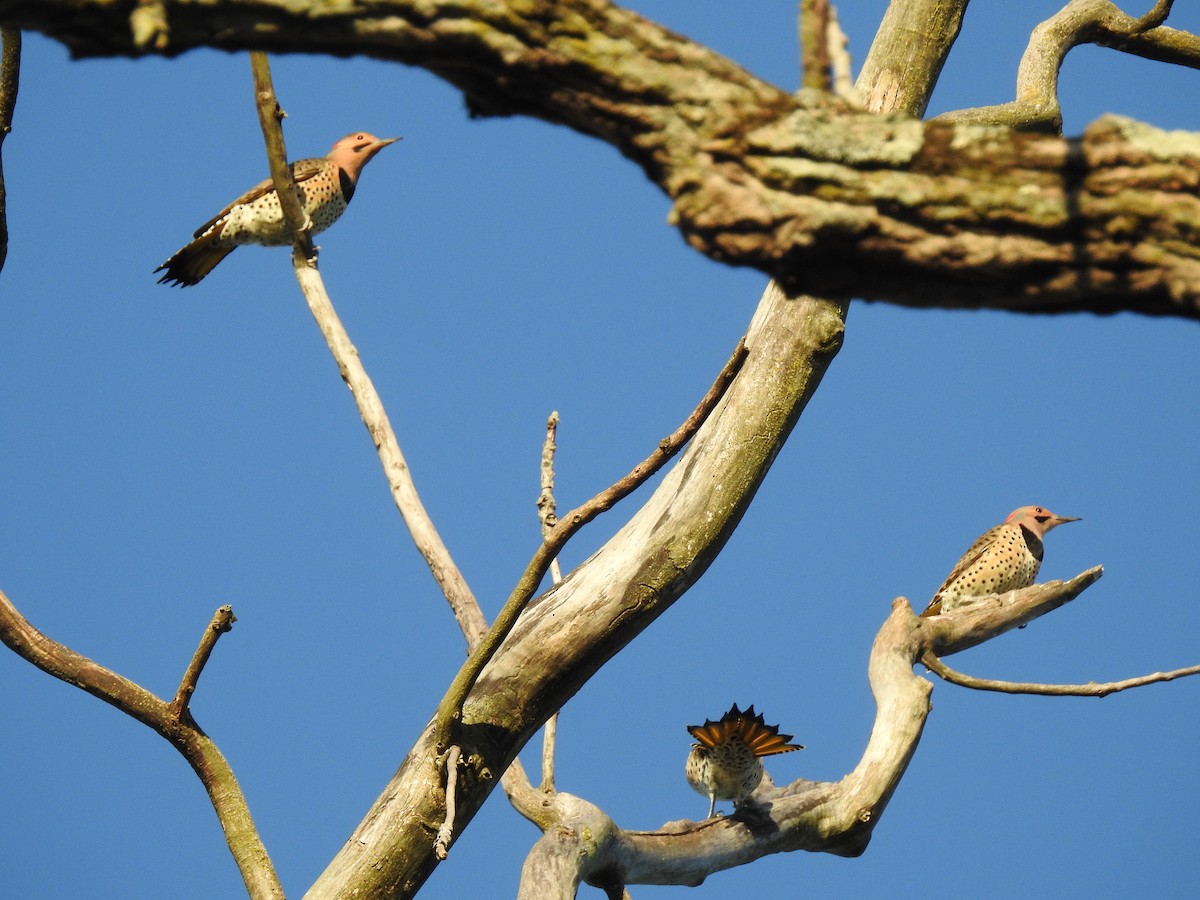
(178, 727)
(985, 618)
(450, 709)
(565, 635)
(824, 197)
(829, 817)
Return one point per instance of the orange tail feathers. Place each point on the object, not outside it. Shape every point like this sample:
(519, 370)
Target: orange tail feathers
(755, 733)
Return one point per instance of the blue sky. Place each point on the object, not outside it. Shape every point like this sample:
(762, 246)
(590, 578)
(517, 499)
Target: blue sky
(168, 451)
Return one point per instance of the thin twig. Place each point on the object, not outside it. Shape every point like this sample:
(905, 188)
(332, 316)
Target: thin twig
(184, 735)
(546, 504)
(370, 406)
(10, 76)
(441, 846)
(547, 507)
(1091, 689)
(840, 63)
(450, 709)
(222, 621)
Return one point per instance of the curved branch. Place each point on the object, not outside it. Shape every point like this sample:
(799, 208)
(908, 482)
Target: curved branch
(828, 817)
(1100, 22)
(1091, 689)
(180, 731)
(824, 197)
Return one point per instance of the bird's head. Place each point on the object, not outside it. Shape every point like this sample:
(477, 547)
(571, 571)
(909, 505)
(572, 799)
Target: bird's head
(1037, 519)
(354, 151)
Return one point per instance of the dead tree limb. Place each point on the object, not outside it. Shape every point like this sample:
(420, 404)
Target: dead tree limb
(824, 197)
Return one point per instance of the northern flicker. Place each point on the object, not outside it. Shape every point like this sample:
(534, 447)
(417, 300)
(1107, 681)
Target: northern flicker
(326, 186)
(724, 763)
(1004, 558)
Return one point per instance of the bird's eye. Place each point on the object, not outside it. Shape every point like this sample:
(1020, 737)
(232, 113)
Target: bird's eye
(1038, 510)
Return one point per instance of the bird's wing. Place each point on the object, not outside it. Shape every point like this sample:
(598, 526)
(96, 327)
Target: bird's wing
(302, 170)
(969, 558)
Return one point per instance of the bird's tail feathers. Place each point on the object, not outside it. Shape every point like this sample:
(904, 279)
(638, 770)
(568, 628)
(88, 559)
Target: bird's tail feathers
(193, 262)
(755, 733)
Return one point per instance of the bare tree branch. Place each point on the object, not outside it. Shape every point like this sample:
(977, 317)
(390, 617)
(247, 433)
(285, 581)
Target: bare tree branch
(222, 622)
(819, 195)
(908, 53)
(270, 117)
(839, 60)
(370, 406)
(1091, 689)
(983, 619)
(563, 637)
(450, 761)
(831, 817)
(1100, 22)
(814, 45)
(10, 76)
(547, 513)
(180, 731)
(570, 631)
(450, 710)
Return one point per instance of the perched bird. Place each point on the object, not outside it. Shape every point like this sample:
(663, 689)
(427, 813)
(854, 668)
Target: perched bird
(1004, 558)
(326, 186)
(724, 763)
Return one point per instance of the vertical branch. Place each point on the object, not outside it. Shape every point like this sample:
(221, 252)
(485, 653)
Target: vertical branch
(814, 45)
(370, 406)
(547, 507)
(270, 115)
(908, 53)
(10, 71)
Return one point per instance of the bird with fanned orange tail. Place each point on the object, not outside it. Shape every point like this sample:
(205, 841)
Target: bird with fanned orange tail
(1003, 558)
(724, 763)
(326, 186)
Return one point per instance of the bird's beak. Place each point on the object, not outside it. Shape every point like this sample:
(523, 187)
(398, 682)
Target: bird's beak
(1055, 521)
(380, 144)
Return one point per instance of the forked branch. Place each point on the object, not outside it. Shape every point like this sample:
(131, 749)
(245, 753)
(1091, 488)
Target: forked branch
(1100, 22)
(450, 710)
(180, 730)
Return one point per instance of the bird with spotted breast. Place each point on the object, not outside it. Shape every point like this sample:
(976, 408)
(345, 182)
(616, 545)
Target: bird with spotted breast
(1004, 558)
(326, 186)
(725, 762)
